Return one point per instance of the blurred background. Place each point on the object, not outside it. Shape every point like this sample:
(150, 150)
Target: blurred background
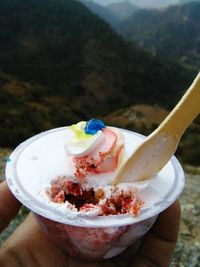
(127, 62)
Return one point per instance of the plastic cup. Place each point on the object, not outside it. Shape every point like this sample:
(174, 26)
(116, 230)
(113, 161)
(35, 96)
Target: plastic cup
(38, 160)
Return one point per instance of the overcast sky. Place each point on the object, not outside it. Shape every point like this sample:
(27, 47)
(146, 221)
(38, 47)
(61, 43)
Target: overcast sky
(138, 2)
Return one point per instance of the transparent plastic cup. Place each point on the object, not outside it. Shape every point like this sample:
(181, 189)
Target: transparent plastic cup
(94, 243)
(37, 161)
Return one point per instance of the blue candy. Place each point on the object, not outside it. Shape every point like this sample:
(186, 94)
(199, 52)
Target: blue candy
(93, 126)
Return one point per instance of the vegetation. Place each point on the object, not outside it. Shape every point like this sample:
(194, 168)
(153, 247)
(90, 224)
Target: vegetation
(188, 150)
(60, 63)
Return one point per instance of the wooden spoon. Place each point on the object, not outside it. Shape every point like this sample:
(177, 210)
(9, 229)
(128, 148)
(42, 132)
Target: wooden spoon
(157, 149)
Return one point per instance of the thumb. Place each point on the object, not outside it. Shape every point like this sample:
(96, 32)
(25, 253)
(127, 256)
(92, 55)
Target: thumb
(9, 206)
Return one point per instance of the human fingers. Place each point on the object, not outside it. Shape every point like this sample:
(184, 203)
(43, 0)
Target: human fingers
(29, 247)
(9, 206)
(158, 246)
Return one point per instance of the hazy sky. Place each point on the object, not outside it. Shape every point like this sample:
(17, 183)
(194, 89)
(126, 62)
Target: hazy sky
(141, 3)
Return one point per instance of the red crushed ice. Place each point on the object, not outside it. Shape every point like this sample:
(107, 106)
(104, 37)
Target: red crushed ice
(84, 242)
(120, 202)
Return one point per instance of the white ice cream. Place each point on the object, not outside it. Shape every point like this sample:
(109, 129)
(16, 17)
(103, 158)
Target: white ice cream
(39, 160)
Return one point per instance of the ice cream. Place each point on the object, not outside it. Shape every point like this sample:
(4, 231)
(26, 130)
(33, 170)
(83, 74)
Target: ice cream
(94, 148)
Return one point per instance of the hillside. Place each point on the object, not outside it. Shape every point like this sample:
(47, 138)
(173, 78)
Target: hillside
(141, 118)
(172, 32)
(29, 108)
(69, 64)
(113, 13)
(122, 10)
(152, 3)
(140, 3)
(182, 2)
(102, 12)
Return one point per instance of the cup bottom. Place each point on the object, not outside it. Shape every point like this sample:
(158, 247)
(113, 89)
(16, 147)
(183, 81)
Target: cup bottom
(93, 243)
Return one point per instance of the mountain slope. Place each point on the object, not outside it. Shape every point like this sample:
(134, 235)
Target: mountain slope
(152, 3)
(27, 109)
(113, 13)
(140, 3)
(122, 10)
(102, 12)
(172, 32)
(65, 64)
(62, 45)
(182, 2)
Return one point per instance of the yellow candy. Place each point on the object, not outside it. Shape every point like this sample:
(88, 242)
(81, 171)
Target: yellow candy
(79, 133)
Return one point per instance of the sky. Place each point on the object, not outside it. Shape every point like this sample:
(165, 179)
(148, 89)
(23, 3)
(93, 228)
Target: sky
(140, 3)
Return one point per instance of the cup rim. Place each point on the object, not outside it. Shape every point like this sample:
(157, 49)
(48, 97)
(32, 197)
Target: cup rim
(82, 220)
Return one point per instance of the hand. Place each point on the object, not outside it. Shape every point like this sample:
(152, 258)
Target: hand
(29, 247)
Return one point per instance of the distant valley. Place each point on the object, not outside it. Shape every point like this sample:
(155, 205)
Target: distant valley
(172, 32)
(113, 13)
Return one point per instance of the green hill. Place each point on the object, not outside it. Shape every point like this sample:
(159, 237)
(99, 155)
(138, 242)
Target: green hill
(102, 12)
(61, 63)
(27, 109)
(172, 32)
(122, 9)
